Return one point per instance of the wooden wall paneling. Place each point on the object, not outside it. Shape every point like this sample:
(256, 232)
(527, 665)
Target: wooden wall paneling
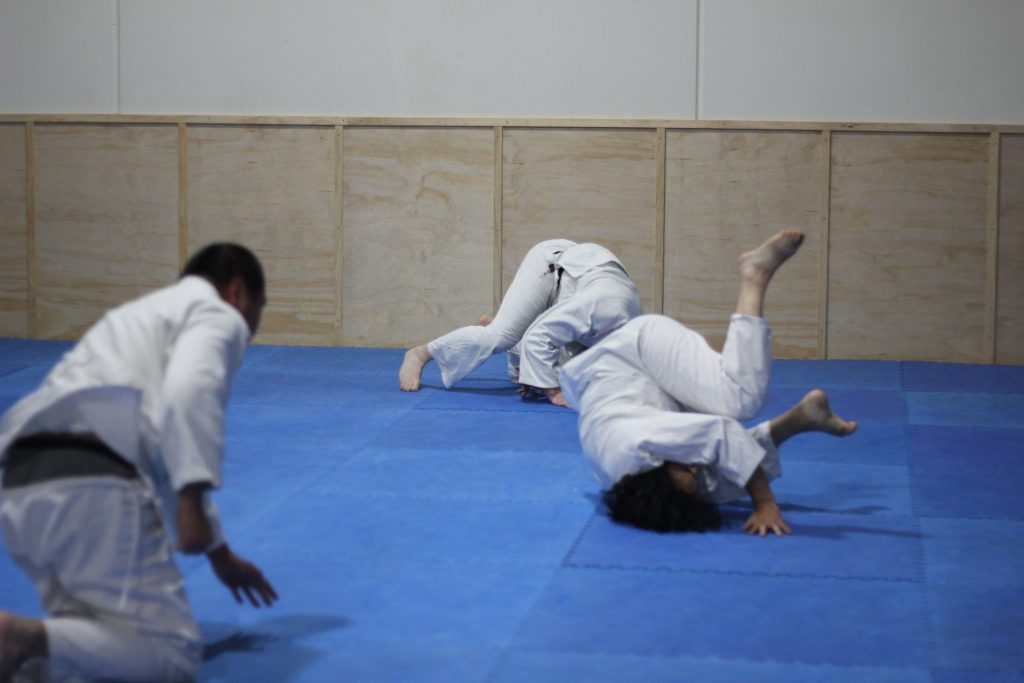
(106, 220)
(339, 229)
(419, 233)
(273, 189)
(726, 192)
(590, 185)
(499, 155)
(908, 247)
(824, 213)
(14, 304)
(183, 243)
(1010, 290)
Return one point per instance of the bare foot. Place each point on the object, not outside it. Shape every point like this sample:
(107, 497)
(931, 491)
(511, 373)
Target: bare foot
(760, 264)
(555, 396)
(20, 640)
(484, 320)
(816, 416)
(412, 368)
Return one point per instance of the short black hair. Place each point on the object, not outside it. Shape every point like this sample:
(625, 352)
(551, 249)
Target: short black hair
(222, 262)
(651, 500)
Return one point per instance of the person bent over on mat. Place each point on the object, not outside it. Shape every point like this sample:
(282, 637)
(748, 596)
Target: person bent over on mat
(112, 458)
(659, 413)
(564, 296)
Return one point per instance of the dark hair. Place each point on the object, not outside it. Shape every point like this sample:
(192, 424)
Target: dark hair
(222, 262)
(651, 500)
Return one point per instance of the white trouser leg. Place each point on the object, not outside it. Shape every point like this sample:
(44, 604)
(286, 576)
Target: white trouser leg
(98, 554)
(459, 352)
(733, 383)
(601, 304)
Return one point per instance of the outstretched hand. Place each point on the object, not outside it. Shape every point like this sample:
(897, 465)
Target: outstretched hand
(241, 576)
(766, 517)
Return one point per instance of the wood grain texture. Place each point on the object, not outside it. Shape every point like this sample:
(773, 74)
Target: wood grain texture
(1010, 291)
(907, 255)
(419, 213)
(726, 192)
(106, 220)
(273, 190)
(13, 238)
(584, 185)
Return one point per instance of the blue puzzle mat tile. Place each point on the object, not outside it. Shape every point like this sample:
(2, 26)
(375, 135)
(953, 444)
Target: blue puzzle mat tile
(10, 368)
(951, 377)
(822, 545)
(976, 676)
(827, 621)
(468, 474)
(974, 551)
(33, 351)
(402, 527)
(499, 430)
(863, 405)
(966, 409)
(979, 626)
(857, 489)
(433, 605)
(24, 381)
(832, 375)
(334, 360)
(968, 472)
(874, 443)
(286, 658)
(571, 667)
(324, 389)
(486, 394)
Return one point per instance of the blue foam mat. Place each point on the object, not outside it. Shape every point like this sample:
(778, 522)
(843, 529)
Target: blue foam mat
(459, 535)
(951, 377)
(832, 621)
(827, 545)
(967, 472)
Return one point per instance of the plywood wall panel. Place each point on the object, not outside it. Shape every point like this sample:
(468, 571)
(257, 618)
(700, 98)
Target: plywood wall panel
(273, 190)
(106, 220)
(584, 185)
(908, 247)
(726, 192)
(1010, 298)
(13, 240)
(418, 223)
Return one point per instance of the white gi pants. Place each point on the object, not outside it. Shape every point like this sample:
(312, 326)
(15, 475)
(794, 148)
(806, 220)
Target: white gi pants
(718, 390)
(100, 558)
(532, 291)
(589, 307)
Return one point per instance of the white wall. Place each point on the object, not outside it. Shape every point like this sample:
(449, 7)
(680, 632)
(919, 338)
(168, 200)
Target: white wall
(847, 60)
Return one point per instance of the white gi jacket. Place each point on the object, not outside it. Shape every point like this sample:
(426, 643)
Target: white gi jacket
(654, 390)
(151, 380)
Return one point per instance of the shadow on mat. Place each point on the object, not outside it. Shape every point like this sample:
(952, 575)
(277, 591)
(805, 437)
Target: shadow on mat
(279, 633)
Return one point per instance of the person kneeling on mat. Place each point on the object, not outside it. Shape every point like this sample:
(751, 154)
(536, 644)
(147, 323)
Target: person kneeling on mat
(131, 420)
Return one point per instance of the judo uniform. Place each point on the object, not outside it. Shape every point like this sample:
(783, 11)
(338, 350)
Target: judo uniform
(564, 295)
(654, 390)
(151, 381)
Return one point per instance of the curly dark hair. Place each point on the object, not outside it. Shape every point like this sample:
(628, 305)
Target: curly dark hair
(651, 500)
(221, 262)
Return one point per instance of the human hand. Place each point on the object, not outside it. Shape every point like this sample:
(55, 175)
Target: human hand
(765, 517)
(194, 531)
(241, 576)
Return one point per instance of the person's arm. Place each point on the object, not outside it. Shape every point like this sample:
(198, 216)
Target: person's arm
(241, 577)
(766, 516)
(195, 533)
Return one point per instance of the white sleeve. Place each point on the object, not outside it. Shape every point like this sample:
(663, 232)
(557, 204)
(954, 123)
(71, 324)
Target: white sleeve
(194, 395)
(542, 342)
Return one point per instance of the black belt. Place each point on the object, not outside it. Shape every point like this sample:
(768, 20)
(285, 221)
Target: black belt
(43, 457)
